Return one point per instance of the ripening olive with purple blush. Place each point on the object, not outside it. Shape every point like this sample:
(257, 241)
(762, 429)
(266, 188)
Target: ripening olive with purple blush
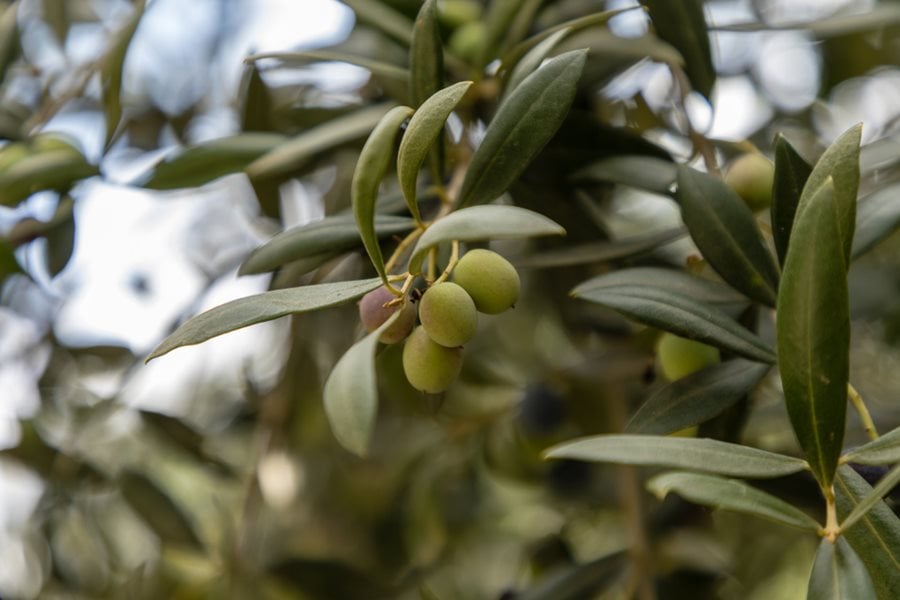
(373, 313)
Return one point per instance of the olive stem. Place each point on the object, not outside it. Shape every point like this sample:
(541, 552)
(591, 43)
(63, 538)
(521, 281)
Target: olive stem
(863, 411)
(432, 265)
(401, 248)
(451, 264)
(832, 529)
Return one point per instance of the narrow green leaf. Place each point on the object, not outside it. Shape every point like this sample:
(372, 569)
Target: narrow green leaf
(840, 162)
(642, 172)
(683, 25)
(9, 37)
(262, 307)
(730, 494)
(682, 315)
(600, 252)
(60, 234)
(527, 121)
(256, 102)
(875, 537)
(197, 165)
(813, 332)
(703, 455)
(883, 451)
(351, 393)
(884, 485)
(379, 15)
(376, 156)
(329, 236)
(725, 231)
(50, 170)
(483, 223)
(424, 129)
(499, 20)
(184, 437)
(878, 217)
(376, 67)
(532, 60)
(875, 17)
(111, 72)
(426, 55)
(158, 510)
(700, 289)
(285, 158)
(585, 580)
(697, 398)
(791, 173)
(839, 574)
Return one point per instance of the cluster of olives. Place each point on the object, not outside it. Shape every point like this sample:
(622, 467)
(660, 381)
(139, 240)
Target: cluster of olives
(483, 281)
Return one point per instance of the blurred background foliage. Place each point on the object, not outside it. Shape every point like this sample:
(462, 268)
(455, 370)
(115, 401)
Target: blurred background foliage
(150, 159)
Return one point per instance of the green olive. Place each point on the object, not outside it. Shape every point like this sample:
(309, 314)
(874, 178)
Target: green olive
(429, 367)
(679, 357)
(490, 280)
(751, 175)
(448, 314)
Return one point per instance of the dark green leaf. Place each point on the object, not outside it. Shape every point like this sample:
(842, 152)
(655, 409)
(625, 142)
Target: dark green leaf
(703, 455)
(56, 465)
(730, 494)
(60, 236)
(528, 119)
(351, 393)
(876, 17)
(576, 582)
(499, 20)
(682, 315)
(158, 510)
(725, 231)
(483, 223)
(866, 503)
(600, 252)
(878, 217)
(813, 331)
(185, 437)
(379, 15)
(643, 172)
(697, 398)
(700, 289)
(9, 37)
(262, 307)
(532, 60)
(287, 157)
(839, 574)
(883, 451)
(374, 160)
(256, 102)
(424, 129)
(8, 262)
(379, 68)
(683, 25)
(50, 170)
(426, 55)
(791, 173)
(875, 537)
(205, 162)
(111, 72)
(840, 162)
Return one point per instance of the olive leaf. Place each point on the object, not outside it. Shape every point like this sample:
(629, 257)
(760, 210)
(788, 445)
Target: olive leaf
(111, 71)
(697, 397)
(840, 163)
(260, 308)
(532, 60)
(373, 163)
(158, 510)
(878, 217)
(725, 231)
(376, 67)
(351, 393)
(424, 128)
(482, 223)
(839, 574)
(9, 36)
(47, 170)
(381, 16)
(875, 536)
(813, 333)
(791, 173)
(205, 162)
(643, 172)
(285, 158)
(600, 252)
(887, 482)
(883, 451)
(683, 25)
(426, 55)
(730, 494)
(681, 314)
(528, 119)
(701, 455)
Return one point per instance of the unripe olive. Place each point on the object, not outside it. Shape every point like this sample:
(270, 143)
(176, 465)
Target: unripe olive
(428, 366)
(679, 357)
(455, 13)
(373, 314)
(751, 175)
(448, 314)
(468, 40)
(12, 153)
(490, 280)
